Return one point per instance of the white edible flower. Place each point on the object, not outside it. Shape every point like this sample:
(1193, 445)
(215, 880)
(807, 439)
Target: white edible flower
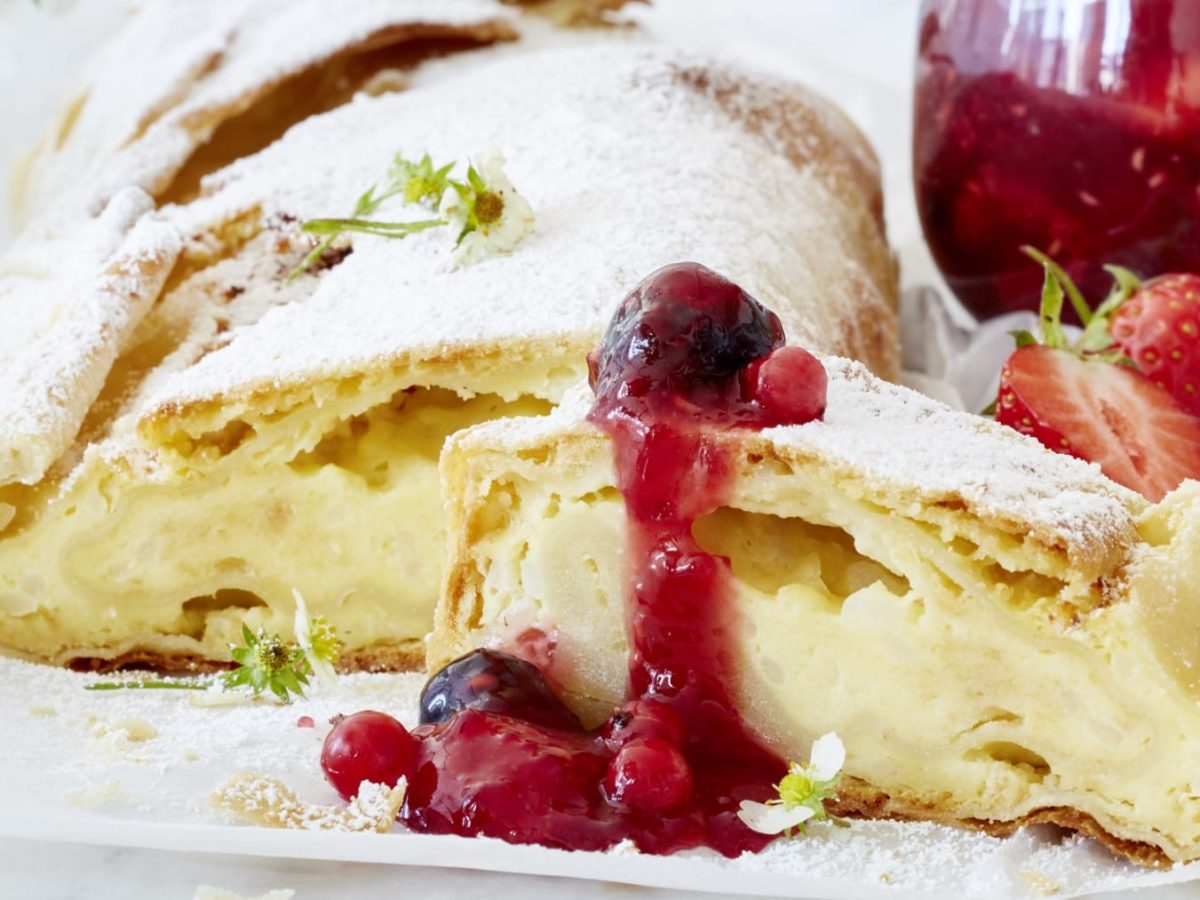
(316, 639)
(802, 792)
(826, 758)
(772, 817)
(487, 215)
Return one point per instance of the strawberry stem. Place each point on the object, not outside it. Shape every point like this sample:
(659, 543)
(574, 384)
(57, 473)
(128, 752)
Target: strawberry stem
(1127, 283)
(1096, 337)
(1095, 343)
(1023, 338)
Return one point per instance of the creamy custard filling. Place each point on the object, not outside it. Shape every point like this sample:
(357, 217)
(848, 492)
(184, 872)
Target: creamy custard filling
(960, 684)
(174, 563)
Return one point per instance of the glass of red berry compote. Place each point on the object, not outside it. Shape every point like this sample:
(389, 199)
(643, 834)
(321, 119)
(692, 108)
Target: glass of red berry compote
(1069, 125)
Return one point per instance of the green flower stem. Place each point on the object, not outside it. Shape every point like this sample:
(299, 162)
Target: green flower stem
(150, 685)
(419, 182)
(331, 228)
(313, 255)
(335, 227)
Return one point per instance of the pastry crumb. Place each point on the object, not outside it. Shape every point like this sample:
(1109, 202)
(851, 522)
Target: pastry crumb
(1040, 884)
(96, 795)
(136, 730)
(261, 800)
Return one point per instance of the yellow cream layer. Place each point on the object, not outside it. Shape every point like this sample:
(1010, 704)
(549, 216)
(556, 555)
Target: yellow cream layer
(343, 507)
(958, 680)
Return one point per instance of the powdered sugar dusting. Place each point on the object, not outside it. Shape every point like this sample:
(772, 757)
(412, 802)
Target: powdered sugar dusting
(900, 439)
(70, 296)
(905, 445)
(627, 169)
(209, 310)
(168, 778)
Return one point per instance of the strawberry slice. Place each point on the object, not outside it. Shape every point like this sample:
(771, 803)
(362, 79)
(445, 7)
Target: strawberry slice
(1158, 327)
(1108, 414)
(1087, 397)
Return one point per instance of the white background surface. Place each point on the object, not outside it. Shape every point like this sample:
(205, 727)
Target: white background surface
(857, 51)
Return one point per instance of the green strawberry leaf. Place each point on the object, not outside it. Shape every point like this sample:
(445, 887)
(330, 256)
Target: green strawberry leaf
(1050, 317)
(1082, 309)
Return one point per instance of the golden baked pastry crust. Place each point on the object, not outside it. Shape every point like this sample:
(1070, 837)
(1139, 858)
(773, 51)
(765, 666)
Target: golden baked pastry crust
(845, 305)
(1072, 522)
(857, 799)
(71, 295)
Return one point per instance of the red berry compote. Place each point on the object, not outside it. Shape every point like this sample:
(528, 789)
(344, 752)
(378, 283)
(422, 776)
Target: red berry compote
(1069, 125)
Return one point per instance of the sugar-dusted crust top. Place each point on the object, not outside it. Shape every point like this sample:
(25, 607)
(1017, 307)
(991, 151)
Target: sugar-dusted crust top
(631, 156)
(907, 451)
(70, 296)
(918, 450)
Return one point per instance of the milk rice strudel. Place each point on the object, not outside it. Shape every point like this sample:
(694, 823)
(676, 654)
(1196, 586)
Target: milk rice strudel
(998, 634)
(259, 433)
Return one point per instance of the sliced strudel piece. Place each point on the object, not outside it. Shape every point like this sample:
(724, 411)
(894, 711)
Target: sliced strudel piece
(998, 634)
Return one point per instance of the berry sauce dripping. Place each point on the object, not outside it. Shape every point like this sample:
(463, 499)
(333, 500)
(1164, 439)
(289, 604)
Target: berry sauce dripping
(668, 378)
(1070, 125)
(687, 355)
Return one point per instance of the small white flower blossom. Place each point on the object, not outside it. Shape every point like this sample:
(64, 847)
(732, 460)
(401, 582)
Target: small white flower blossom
(772, 817)
(826, 758)
(802, 792)
(318, 657)
(487, 215)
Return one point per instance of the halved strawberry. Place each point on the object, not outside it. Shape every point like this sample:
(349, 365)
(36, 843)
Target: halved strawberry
(1108, 414)
(1158, 327)
(1086, 398)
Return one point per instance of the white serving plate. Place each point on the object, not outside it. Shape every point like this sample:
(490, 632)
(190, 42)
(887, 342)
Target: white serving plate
(69, 775)
(137, 769)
